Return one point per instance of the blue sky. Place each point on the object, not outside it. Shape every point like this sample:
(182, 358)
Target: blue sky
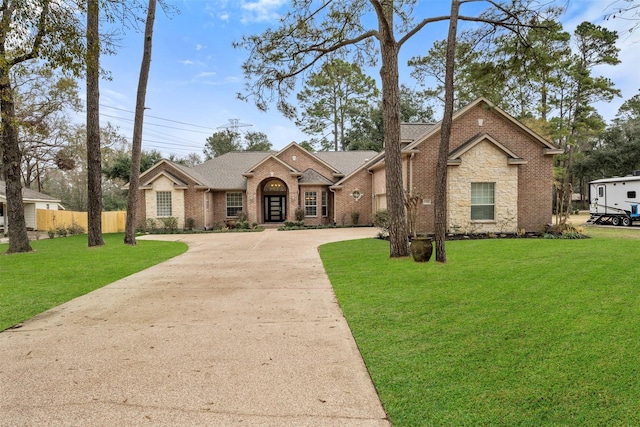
(196, 73)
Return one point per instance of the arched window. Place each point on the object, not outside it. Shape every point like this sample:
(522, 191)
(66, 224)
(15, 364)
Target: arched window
(274, 186)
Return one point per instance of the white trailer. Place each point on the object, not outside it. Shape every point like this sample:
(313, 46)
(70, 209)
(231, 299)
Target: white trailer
(615, 200)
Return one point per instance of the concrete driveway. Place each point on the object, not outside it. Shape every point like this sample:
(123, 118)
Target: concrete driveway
(243, 329)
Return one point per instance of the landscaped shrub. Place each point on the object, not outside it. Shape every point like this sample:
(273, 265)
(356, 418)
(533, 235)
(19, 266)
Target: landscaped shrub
(241, 225)
(242, 216)
(355, 217)
(75, 229)
(190, 224)
(299, 214)
(61, 231)
(150, 224)
(51, 233)
(381, 221)
(296, 223)
(169, 224)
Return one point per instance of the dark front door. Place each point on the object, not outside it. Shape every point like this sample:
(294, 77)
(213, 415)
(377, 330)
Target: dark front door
(274, 208)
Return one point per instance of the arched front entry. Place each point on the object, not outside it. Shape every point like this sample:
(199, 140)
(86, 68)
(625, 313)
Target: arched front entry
(274, 193)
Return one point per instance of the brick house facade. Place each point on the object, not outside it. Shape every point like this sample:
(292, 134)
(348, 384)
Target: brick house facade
(499, 180)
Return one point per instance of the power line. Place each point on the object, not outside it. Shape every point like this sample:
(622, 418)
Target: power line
(155, 124)
(159, 118)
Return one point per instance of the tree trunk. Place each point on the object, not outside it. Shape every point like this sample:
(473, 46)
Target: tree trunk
(11, 160)
(398, 235)
(94, 160)
(136, 145)
(440, 204)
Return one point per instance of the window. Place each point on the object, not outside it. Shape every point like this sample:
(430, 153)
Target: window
(310, 203)
(631, 194)
(482, 201)
(234, 204)
(600, 191)
(324, 203)
(163, 203)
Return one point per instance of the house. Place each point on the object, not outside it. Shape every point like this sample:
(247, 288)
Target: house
(32, 201)
(499, 180)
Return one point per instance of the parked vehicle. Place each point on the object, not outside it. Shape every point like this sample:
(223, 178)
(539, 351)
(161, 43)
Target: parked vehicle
(615, 200)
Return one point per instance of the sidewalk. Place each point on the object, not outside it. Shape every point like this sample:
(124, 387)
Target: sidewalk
(243, 329)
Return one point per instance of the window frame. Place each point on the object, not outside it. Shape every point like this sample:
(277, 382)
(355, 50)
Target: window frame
(234, 208)
(482, 201)
(310, 204)
(162, 199)
(325, 204)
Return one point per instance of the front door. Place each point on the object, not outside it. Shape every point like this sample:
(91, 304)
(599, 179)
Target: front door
(274, 208)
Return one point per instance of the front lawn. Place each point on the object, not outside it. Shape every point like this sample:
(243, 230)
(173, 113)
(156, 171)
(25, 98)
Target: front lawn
(509, 332)
(61, 269)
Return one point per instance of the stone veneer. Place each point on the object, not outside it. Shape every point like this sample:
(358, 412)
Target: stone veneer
(483, 163)
(177, 199)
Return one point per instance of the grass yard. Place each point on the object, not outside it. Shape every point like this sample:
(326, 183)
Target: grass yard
(513, 332)
(59, 270)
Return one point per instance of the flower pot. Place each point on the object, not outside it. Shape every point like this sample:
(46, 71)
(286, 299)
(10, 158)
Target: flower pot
(421, 249)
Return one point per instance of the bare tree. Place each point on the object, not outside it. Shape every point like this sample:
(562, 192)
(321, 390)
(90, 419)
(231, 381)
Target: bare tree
(440, 205)
(44, 30)
(136, 147)
(94, 160)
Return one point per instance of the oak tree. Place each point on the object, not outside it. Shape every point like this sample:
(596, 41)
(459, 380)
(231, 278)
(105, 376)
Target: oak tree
(30, 30)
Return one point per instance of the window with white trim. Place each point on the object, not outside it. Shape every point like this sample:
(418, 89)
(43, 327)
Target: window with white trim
(234, 204)
(163, 203)
(310, 203)
(324, 203)
(482, 201)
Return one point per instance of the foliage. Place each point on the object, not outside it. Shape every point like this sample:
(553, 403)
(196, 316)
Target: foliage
(294, 224)
(299, 214)
(617, 153)
(70, 185)
(220, 143)
(25, 291)
(381, 221)
(355, 218)
(190, 224)
(169, 224)
(330, 100)
(505, 333)
(120, 166)
(257, 141)
(44, 101)
(229, 140)
(367, 127)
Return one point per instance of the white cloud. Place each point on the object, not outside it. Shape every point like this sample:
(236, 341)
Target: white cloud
(200, 47)
(186, 62)
(261, 10)
(206, 74)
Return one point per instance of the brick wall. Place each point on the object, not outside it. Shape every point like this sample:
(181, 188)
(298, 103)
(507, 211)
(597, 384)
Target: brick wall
(270, 169)
(301, 160)
(535, 179)
(346, 204)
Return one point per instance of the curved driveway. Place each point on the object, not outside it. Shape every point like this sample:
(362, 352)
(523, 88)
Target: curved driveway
(242, 329)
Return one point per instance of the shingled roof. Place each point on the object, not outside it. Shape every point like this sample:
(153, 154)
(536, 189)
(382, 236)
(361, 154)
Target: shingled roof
(409, 132)
(28, 195)
(345, 162)
(226, 171)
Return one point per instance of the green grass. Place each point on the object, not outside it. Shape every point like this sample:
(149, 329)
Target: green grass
(59, 270)
(513, 332)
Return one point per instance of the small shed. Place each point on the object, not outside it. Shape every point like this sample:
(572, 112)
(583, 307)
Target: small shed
(32, 201)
